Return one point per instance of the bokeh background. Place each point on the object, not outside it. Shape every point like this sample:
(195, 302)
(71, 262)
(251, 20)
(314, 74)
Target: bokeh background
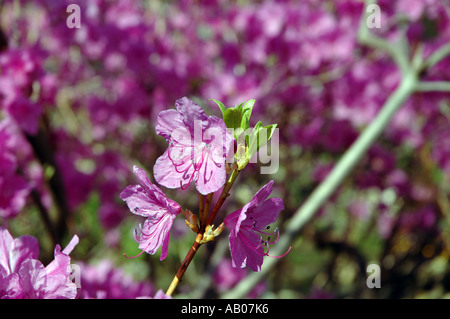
(78, 109)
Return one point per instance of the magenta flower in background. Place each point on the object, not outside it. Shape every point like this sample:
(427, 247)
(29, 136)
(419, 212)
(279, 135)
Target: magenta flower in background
(249, 224)
(19, 69)
(147, 200)
(58, 284)
(105, 281)
(198, 147)
(15, 188)
(13, 253)
(22, 276)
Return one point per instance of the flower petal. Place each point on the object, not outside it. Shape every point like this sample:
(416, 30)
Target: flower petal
(147, 199)
(6, 243)
(266, 213)
(169, 175)
(262, 194)
(211, 176)
(191, 112)
(232, 219)
(156, 233)
(222, 139)
(34, 278)
(10, 286)
(58, 284)
(246, 226)
(243, 252)
(168, 121)
(25, 247)
(14, 251)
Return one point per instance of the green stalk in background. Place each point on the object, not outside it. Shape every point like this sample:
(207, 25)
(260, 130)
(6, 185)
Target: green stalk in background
(409, 84)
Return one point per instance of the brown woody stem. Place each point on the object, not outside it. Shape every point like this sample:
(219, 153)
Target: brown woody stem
(225, 193)
(201, 205)
(203, 213)
(184, 265)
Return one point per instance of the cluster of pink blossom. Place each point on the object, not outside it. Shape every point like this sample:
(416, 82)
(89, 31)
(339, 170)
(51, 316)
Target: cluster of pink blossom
(24, 276)
(199, 146)
(78, 108)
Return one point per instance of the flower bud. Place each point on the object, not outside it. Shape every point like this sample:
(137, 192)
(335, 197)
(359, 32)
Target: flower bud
(191, 220)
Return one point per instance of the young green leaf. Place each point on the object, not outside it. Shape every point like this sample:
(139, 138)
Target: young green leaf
(221, 106)
(253, 144)
(245, 122)
(232, 118)
(247, 108)
(259, 137)
(269, 129)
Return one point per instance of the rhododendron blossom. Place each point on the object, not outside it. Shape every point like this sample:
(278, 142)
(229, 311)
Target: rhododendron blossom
(249, 224)
(198, 147)
(147, 200)
(103, 280)
(22, 276)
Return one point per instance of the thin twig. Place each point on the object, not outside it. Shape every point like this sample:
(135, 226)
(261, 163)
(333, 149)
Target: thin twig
(433, 86)
(201, 205)
(225, 193)
(193, 250)
(184, 265)
(203, 220)
(437, 56)
(397, 51)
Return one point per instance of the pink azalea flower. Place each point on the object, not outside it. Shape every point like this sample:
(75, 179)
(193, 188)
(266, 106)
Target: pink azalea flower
(15, 188)
(23, 276)
(249, 224)
(105, 281)
(147, 200)
(198, 147)
(58, 284)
